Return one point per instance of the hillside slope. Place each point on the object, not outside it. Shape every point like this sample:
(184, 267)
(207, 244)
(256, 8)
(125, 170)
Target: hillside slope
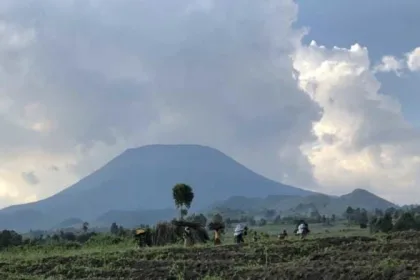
(291, 205)
(142, 179)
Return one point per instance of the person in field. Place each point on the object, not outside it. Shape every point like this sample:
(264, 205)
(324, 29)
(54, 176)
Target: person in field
(283, 235)
(239, 233)
(143, 237)
(303, 229)
(218, 227)
(188, 238)
(217, 240)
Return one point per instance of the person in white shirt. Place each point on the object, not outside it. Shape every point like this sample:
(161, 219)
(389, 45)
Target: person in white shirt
(303, 229)
(239, 233)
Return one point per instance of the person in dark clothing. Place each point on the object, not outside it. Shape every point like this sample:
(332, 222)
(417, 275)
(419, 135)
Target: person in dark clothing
(239, 238)
(283, 235)
(143, 237)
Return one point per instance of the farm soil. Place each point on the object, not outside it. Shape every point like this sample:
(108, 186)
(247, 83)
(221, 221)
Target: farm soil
(336, 258)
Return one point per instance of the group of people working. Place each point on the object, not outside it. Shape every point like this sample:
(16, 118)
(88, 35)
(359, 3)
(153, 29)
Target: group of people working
(241, 231)
(143, 235)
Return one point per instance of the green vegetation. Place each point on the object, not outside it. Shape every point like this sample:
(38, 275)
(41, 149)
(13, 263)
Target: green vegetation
(110, 257)
(340, 251)
(183, 196)
(335, 249)
(316, 205)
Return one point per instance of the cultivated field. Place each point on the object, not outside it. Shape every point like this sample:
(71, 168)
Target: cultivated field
(320, 257)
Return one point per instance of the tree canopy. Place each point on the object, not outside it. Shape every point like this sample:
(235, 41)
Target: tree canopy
(183, 196)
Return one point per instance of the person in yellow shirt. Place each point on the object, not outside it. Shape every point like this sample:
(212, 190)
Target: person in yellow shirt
(217, 240)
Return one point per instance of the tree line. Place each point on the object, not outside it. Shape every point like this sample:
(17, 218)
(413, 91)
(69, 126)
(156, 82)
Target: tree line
(391, 219)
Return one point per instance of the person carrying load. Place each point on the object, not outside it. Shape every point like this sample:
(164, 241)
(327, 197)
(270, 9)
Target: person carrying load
(239, 233)
(283, 235)
(217, 240)
(188, 238)
(218, 227)
(143, 237)
(303, 229)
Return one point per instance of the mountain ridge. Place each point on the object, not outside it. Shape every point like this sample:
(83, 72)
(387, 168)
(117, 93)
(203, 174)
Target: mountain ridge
(324, 204)
(142, 178)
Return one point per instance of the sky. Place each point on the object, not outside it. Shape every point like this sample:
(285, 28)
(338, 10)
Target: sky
(310, 93)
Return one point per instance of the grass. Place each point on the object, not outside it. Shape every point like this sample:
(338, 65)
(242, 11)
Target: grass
(349, 254)
(317, 229)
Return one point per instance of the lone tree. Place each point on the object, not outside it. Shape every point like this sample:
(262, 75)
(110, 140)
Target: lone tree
(183, 196)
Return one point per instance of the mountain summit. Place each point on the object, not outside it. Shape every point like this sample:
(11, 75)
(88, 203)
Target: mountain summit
(365, 199)
(142, 178)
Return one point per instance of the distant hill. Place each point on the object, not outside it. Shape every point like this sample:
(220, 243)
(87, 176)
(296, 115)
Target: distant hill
(142, 179)
(71, 222)
(24, 220)
(132, 219)
(297, 205)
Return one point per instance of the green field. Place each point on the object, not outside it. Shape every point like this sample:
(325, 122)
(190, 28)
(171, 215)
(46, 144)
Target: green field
(316, 229)
(343, 253)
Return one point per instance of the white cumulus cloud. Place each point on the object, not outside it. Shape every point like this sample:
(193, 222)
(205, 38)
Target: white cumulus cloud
(413, 60)
(363, 139)
(390, 64)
